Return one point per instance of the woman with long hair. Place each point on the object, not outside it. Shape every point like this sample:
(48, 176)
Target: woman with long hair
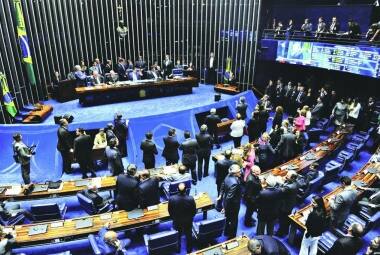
(248, 159)
(316, 224)
(277, 118)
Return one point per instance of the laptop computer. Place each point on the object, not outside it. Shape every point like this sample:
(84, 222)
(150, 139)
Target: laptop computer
(37, 229)
(40, 187)
(84, 223)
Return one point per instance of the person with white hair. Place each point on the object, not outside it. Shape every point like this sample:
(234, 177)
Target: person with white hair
(349, 244)
(212, 121)
(97, 78)
(204, 140)
(80, 76)
(230, 194)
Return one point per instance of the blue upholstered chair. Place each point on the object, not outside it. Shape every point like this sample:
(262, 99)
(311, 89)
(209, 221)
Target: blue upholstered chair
(51, 211)
(367, 224)
(207, 230)
(171, 188)
(12, 220)
(332, 169)
(323, 123)
(89, 206)
(345, 157)
(162, 243)
(316, 183)
(314, 134)
(99, 247)
(326, 241)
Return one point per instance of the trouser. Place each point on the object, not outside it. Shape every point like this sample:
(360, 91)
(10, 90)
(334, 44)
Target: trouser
(211, 76)
(123, 147)
(191, 168)
(237, 141)
(309, 245)
(231, 214)
(86, 166)
(66, 161)
(206, 159)
(261, 224)
(249, 212)
(215, 138)
(184, 228)
(284, 223)
(25, 173)
(170, 162)
(149, 165)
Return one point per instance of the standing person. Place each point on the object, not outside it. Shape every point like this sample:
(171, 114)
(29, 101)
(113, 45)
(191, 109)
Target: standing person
(241, 108)
(263, 118)
(221, 169)
(270, 89)
(316, 224)
(167, 66)
(252, 191)
(353, 111)
(149, 151)
(148, 190)
(122, 69)
(248, 159)
(170, 151)
(300, 121)
(23, 155)
(126, 189)
(253, 127)
(230, 193)
(339, 112)
(65, 145)
(277, 118)
(264, 152)
(237, 130)
(286, 146)
(110, 134)
(83, 152)
(211, 66)
(115, 163)
(212, 121)
(204, 141)
(121, 132)
(316, 112)
(182, 210)
(189, 150)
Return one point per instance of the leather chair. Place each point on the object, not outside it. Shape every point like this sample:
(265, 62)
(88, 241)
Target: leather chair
(89, 206)
(314, 134)
(355, 148)
(345, 157)
(51, 211)
(99, 249)
(326, 241)
(12, 220)
(162, 243)
(171, 188)
(363, 136)
(367, 225)
(313, 186)
(332, 169)
(207, 230)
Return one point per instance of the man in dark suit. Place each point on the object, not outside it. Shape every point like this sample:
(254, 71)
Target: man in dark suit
(110, 134)
(148, 190)
(121, 132)
(288, 96)
(23, 155)
(140, 63)
(204, 141)
(267, 245)
(189, 150)
(301, 97)
(115, 163)
(317, 112)
(65, 145)
(126, 189)
(350, 244)
(170, 152)
(122, 70)
(286, 146)
(252, 191)
(221, 169)
(149, 151)
(289, 199)
(268, 206)
(212, 121)
(241, 108)
(99, 66)
(167, 67)
(83, 152)
(182, 210)
(279, 94)
(230, 193)
(334, 26)
(211, 66)
(135, 75)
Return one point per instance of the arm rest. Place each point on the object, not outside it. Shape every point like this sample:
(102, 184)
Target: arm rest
(94, 245)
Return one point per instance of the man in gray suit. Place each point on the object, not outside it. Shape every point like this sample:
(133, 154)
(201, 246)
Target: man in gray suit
(115, 163)
(316, 112)
(23, 155)
(341, 204)
(286, 146)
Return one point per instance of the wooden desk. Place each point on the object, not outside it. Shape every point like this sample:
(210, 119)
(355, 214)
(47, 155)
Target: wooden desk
(298, 219)
(125, 91)
(119, 221)
(224, 127)
(241, 249)
(38, 116)
(227, 89)
(65, 90)
(97, 154)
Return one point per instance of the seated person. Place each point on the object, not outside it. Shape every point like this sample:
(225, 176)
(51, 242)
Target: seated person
(109, 242)
(349, 244)
(100, 140)
(374, 247)
(190, 67)
(178, 64)
(80, 76)
(6, 242)
(92, 194)
(129, 65)
(312, 173)
(154, 73)
(148, 191)
(303, 180)
(8, 211)
(373, 33)
(182, 175)
(112, 77)
(135, 75)
(96, 78)
(267, 245)
(140, 63)
(353, 30)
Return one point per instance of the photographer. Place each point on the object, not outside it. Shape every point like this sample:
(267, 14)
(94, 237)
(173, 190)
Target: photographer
(22, 155)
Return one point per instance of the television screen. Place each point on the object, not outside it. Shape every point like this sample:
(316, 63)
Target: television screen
(362, 60)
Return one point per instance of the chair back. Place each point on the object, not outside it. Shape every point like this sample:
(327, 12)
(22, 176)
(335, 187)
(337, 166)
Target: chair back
(317, 182)
(163, 242)
(46, 212)
(211, 229)
(173, 187)
(87, 204)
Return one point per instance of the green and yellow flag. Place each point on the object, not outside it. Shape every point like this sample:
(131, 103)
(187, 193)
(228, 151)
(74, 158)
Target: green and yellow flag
(7, 97)
(24, 44)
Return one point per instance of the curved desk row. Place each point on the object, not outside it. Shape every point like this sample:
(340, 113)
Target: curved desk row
(235, 246)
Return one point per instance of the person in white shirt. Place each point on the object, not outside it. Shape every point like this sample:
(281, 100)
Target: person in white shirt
(308, 116)
(353, 111)
(237, 130)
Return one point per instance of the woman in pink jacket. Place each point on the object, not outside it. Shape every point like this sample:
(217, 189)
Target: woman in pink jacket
(248, 159)
(300, 121)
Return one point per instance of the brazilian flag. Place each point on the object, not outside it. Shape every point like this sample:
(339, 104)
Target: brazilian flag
(24, 44)
(7, 97)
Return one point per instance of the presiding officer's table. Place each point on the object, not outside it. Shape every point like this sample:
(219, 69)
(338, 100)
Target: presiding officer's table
(235, 246)
(66, 230)
(128, 90)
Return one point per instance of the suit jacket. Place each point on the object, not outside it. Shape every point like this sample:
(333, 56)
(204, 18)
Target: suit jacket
(212, 121)
(65, 142)
(120, 129)
(214, 63)
(83, 148)
(263, 153)
(110, 134)
(182, 209)
(268, 204)
(81, 78)
(130, 76)
(99, 80)
(346, 245)
(231, 192)
(289, 196)
(341, 205)
(170, 151)
(204, 141)
(253, 128)
(167, 67)
(140, 64)
(242, 109)
(317, 111)
(115, 164)
(149, 150)
(301, 97)
(271, 245)
(148, 192)
(252, 188)
(126, 192)
(221, 169)
(287, 145)
(334, 28)
(189, 149)
(22, 152)
(122, 71)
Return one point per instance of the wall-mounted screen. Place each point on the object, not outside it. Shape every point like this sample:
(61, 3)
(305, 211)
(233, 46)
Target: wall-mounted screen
(361, 60)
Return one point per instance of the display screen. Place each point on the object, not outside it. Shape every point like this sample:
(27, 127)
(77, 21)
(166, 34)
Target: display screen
(361, 60)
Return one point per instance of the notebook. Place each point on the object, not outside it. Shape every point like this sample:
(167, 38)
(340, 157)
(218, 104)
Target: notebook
(82, 183)
(310, 156)
(38, 229)
(40, 187)
(232, 245)
(135, 214)
(324, 148)
(84, 223)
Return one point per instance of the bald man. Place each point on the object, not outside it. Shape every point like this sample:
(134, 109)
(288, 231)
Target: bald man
(182, 210)
(109, 242)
